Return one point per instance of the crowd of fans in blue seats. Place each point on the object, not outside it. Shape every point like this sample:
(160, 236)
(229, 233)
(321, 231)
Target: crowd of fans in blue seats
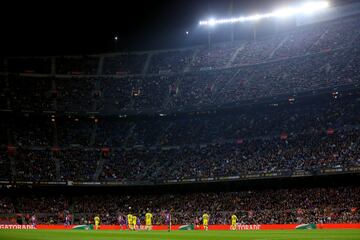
(308, 58)
(85, 160)
(309, 136)
(34, 165)
(186, 91)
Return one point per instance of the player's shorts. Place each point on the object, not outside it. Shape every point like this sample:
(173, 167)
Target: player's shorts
(233, 223)
(148, 223)
(205, 222)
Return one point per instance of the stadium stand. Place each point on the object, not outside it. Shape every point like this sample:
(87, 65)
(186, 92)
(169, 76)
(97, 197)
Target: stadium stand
(77, 65)
(29, 65)
(208, 145)
(311, 58)
(124, 64)
(302, 205)
(170, 61)
(286, 104)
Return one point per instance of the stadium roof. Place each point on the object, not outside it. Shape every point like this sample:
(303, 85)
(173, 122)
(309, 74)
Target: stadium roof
(68, 27)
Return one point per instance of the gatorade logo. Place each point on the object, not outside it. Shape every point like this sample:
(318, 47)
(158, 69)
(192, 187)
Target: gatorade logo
(248, 227)
(6, 226)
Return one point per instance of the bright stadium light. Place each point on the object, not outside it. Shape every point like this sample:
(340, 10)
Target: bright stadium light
(304, 8)
(284, 12)
(311, 7)
(211, 22)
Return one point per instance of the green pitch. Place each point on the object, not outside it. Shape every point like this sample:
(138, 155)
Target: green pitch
(180, 235)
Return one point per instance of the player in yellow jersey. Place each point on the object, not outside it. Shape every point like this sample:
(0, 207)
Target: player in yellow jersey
(148, 221)
(97, 222)
(233, 222)
(205, 219)
(130, 221)
(134, 218)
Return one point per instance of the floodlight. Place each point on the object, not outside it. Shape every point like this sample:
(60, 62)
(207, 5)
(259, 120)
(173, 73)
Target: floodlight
(284, 12)
(212, 22)
(305, 8)
(311, 7)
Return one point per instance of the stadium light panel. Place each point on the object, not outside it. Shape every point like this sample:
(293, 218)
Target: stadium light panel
(211, 22)
(304, 8)
(311, 7)
(284, 12)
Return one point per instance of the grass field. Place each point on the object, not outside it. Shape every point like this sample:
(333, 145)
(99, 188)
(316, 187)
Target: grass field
(180, 235)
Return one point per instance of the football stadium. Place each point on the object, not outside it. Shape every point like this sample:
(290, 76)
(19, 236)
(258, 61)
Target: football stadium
(245, 125)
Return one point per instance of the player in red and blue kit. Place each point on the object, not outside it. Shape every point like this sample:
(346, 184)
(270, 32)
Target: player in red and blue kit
(122, 222)
(138, 223)
(33, 220)
(68, 220)
(197, 223)
(168, 220)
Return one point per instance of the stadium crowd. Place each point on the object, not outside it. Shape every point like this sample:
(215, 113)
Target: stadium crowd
(309, 58)
(109, 95)
(301, 205)
(310, 136)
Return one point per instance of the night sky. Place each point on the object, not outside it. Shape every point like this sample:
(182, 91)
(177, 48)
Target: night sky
(87, 27)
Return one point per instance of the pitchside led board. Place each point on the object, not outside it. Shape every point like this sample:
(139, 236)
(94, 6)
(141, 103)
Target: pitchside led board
(240, 227)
